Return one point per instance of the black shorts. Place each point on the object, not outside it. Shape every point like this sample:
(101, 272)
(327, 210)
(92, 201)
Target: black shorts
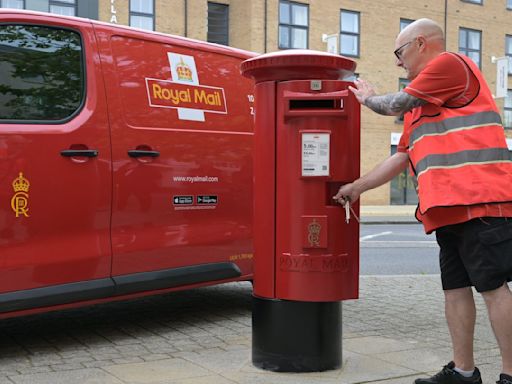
(476, 253)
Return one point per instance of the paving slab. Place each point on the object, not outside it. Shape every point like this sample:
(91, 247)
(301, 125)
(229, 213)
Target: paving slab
(82, 376)
(156, 372)
(220, 361)
(360, 368)
(377, 344)
(420, 360)
(279, 378)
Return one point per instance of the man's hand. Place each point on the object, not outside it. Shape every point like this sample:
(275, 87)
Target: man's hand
(362, 91)
(347, 193)
(391, 104)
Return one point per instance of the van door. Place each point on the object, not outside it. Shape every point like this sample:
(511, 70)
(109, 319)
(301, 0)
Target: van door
(182, 198)
(55, 175)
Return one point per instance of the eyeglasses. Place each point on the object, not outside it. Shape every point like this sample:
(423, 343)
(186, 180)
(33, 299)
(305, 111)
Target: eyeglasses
(398, 51)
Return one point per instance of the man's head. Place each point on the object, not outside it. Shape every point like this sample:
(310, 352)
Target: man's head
(417, 44)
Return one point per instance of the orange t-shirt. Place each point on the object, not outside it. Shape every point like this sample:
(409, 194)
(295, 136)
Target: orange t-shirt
(447, 80)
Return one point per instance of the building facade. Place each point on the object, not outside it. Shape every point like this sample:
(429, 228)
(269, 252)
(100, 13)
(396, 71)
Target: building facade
(364, 30)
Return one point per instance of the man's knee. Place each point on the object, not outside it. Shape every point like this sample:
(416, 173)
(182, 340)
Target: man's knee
(496, 295)
(458, 294)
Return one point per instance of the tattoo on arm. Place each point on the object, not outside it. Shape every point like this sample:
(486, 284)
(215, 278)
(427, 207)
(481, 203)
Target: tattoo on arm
(393, 104)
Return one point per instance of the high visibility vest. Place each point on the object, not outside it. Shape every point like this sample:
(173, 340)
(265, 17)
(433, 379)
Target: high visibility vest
(460, 155)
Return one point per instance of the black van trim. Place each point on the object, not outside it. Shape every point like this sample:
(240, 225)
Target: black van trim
(116, 286)
(169, 278)
(84, 78)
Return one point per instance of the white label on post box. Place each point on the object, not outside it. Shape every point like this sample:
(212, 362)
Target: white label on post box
(315, 154)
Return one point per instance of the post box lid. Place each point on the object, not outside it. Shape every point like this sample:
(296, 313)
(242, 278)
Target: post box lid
(297, 64)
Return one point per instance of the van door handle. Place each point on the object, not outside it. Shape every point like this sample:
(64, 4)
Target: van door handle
(79, 152)
(140, 153)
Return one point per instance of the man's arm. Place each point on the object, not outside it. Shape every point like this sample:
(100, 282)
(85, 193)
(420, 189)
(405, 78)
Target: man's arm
(379, 175)
(392, 104)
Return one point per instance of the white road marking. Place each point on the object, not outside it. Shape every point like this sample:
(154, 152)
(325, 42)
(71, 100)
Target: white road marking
(376, 235)
(399, 244)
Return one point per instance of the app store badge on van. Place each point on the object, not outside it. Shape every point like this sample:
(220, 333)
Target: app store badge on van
(184, 92)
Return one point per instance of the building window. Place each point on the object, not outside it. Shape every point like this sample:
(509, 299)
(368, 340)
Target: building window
(404, 23)
(293, 25)
(63, 7)
(17, 4)
(470, 42)
(403, 187)
(508, 52)
(402, 83)
(218, 23)
(507, 111)
(352, 77)
(42, 73)
(509, 4)
(349, 33)
(473, 1)
(142, 14)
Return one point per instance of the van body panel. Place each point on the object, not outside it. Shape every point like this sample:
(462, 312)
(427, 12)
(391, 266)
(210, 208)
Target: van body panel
(192, 203)
(63, 233)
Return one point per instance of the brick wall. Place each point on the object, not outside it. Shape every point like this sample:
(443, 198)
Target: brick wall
(379, 25)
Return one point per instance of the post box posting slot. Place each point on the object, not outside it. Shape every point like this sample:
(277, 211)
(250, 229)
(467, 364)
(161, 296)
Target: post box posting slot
(314, 104)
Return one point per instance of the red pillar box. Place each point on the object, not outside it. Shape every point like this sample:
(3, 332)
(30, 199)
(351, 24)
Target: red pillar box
(307, 144)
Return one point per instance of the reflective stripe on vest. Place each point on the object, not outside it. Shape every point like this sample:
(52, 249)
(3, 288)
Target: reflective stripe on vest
(454, 124)
(462, 158)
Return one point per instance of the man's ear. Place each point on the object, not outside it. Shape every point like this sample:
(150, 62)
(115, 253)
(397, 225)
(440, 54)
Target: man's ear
(421, 42)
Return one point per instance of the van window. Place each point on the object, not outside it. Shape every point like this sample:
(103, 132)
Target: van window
(41, 73)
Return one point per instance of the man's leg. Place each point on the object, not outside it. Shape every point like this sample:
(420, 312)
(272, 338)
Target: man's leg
(461, 316)
(499, 306)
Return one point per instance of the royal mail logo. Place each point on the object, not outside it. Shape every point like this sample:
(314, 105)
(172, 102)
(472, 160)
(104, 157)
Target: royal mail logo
(167, 94)
(184, 92)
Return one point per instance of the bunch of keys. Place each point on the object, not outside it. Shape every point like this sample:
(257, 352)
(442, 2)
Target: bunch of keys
(347, 208)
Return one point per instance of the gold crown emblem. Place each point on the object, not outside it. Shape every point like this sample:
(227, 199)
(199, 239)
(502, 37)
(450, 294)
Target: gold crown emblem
(314, 227)
(20, 184)
(183, 70)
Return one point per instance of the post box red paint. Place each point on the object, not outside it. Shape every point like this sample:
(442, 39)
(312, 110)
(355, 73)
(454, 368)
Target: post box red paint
(307, 144)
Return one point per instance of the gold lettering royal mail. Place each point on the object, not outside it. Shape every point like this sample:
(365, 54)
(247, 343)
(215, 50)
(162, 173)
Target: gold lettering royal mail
(19, 202)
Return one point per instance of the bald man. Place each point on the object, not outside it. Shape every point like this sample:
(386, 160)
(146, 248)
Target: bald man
(454, 143)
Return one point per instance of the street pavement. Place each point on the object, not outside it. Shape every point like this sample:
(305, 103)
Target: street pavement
(394, 333)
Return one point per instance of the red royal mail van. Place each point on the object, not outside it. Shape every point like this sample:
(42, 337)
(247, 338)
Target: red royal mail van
(125, 163)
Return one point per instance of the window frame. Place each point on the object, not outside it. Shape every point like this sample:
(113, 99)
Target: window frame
(141, 14)
(466, 49)
(291, 26)
(507, 109)
(508, 38)
(409, 21)
(62, 4)
(83, 83)
(24, 6)
(358, 34)
(476, 2)
(226, 7)
(509, 5)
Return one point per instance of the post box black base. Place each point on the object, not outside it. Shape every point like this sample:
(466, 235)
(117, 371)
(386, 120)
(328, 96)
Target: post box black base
(294, 336)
